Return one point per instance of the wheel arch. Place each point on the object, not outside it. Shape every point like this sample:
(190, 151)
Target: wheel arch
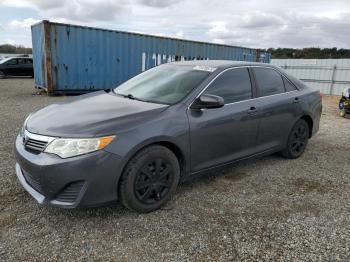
(172, 146)
(310, 122)
(177, 152)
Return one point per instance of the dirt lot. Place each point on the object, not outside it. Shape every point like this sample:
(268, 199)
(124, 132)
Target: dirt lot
(265, 209)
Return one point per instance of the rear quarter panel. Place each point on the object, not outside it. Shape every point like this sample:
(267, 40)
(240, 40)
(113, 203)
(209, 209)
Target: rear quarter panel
(311, 102)
(311, 105)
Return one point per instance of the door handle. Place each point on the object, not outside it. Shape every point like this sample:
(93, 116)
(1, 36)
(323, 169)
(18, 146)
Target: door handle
(296, 100)
(252, 110)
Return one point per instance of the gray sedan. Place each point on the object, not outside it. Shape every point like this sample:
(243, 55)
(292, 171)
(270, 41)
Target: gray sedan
(136, 142)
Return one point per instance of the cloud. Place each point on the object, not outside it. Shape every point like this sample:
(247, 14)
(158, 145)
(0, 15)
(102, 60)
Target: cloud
(41, 4)
(258, 19)
(158, 3)
(74, 10)
(220, 31)
(251, 23)
(10, 42)
(25, 23)
(45, 5)
(287, 29)
(179, 34)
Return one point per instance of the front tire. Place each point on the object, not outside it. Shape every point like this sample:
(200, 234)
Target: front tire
(342, 113)
(2, 75)
(297, 140)
(150, 179)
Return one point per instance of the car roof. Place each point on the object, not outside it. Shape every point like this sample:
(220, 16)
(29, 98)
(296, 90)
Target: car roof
(222, 64)
(14, 57)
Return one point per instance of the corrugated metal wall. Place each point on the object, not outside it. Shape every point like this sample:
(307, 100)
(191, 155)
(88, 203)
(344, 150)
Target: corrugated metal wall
(87, 59)
(38, 55)
(330, 76)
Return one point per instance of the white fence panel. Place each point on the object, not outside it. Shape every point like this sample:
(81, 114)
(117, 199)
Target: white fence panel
(330, 76)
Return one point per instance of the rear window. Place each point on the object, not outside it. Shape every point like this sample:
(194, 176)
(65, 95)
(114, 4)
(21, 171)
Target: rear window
(269, 81)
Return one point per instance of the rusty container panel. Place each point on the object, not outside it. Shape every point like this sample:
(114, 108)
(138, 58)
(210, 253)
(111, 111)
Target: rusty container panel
(83, 59)
(39, 55)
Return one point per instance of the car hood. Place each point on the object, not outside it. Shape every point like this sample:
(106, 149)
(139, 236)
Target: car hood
(90, 115)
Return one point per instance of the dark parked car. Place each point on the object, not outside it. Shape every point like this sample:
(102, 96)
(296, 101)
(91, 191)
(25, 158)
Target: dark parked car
(173, 122)
(16, 66)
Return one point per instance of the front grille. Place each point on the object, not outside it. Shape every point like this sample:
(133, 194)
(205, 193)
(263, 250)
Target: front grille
(35, 143)
(70, 193)
(35, 146)
(32, 181)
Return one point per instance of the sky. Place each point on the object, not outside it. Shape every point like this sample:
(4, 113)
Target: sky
(250, 23)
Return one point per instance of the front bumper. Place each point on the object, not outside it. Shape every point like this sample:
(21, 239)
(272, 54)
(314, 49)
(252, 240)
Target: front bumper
(87, 180)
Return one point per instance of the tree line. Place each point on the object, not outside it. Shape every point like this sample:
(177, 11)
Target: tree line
(307, 53)
(14, 49)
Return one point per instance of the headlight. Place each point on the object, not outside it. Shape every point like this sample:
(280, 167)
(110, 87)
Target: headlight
(68, 147)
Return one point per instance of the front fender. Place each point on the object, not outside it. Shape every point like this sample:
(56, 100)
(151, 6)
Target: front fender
(184, 150)
(172, 127)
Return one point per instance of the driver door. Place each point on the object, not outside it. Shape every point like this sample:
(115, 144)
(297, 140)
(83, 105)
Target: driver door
(221, 135)
(11, 67)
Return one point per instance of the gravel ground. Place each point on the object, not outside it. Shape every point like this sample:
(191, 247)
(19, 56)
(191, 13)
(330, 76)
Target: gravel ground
(265, 209)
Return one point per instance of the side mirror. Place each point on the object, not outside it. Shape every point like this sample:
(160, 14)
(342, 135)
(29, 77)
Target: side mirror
(208, 101)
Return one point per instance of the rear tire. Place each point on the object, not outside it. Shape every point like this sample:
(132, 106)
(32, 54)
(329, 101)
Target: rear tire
(2, 75)
(297, 140)
(150, 179)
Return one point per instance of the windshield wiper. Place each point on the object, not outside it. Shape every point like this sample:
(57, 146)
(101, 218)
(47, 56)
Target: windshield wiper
(130, 96)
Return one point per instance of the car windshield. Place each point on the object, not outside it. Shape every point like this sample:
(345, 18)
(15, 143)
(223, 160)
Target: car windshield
(165, 84)
(4, 60)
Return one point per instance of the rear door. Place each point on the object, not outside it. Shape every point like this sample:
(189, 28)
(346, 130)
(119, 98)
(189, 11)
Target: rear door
(29, 67)
(224, 134)
(278, 104)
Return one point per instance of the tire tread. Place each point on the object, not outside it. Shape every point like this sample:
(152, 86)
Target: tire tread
(124, 195)
(286, 152)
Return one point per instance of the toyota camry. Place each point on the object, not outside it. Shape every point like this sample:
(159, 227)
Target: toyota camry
(136, 142)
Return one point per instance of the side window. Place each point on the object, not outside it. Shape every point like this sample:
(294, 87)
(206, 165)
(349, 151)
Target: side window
(288, 86)
(21, 61)
(12, 62)
(269, 81)
(233, 86)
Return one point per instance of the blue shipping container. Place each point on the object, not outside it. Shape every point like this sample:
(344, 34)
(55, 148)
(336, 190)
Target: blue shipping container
(77, 59)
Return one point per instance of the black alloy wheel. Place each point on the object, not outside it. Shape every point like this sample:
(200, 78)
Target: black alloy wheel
(153, 181)
(297, 140)
(150, 179)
